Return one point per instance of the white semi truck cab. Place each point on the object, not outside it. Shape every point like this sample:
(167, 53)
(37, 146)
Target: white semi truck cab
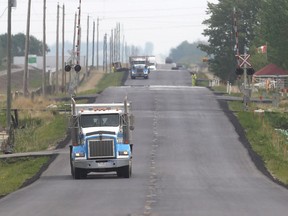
(101, 139)
(138, 67)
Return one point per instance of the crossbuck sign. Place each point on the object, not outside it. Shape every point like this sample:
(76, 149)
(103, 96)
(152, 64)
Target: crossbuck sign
(243, 59)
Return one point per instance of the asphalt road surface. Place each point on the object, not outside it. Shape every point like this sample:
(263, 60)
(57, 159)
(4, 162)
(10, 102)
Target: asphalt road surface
(188, 161)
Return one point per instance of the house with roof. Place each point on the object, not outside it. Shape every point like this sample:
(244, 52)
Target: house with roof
(271, 76)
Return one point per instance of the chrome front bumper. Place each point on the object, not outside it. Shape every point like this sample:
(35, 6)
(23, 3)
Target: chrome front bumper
(101, 164)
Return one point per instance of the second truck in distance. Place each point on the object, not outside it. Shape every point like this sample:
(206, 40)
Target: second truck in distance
(138, 67)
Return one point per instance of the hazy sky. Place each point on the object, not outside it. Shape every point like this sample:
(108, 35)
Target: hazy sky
(165, 23)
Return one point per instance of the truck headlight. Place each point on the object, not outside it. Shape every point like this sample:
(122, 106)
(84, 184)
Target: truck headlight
(80, 154)
(123, 153)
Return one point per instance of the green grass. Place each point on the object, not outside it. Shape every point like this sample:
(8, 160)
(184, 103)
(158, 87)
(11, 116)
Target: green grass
(270, 144)
(2, 118)
(14, 172)
(110, 79)
(220, 88)
(41, 135)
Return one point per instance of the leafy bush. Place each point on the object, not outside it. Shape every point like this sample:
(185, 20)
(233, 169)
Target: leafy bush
(277, 120)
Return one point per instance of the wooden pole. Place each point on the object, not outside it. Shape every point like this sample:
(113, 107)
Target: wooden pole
(87, 48)
(97, 43)
(8, 111)
(57, 50)
(44, 49)
(63, 46)
(93, 44)
(27, 40)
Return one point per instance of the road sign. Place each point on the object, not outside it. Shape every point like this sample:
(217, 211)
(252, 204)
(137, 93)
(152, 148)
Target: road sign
(244, 60)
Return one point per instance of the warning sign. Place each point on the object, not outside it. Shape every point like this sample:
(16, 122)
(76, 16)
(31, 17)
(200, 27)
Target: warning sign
(243, 59)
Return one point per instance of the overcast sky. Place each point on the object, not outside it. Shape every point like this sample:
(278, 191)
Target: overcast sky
(165, 23)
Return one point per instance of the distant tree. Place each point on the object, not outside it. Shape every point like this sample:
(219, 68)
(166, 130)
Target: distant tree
(187, 53)
(18, 45)
(273, 31)
(168, 60)
(221, 34)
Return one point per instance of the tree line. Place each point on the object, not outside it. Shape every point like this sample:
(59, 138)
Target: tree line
(186, 53)
(257, 22)
(18, 46)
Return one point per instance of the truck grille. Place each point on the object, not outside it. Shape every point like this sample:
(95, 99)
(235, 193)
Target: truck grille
(101, 148)
(139, 70)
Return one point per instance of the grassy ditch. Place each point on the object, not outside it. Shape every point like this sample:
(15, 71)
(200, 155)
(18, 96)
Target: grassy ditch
(110, 79)
(41, 134)
(15, 172)
(267, 134)
(41, 129)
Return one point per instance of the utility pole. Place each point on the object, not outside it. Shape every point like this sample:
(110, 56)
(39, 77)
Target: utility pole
(74, 42)
(44, 49)
(87, 48)
(114, 39)
(245, 67)
(118, 42)
(27, 41)
(79, 34)
(63, 45)
(111, 48)
(57, 50)
(105, 54)
(9, 56)
(97, 43)
(93, 44)
(123, 49)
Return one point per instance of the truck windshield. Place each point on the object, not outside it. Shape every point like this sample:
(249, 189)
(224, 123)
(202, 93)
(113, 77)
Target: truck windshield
(139, 62)
(103, 120)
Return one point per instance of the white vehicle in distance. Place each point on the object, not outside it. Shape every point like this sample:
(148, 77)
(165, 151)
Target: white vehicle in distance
(152, 67)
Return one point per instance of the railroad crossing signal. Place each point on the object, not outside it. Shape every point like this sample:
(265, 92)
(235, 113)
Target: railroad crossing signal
(243, 59)
(243, 62)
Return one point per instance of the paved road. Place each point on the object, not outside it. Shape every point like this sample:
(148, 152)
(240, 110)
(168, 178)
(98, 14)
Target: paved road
(188, 160)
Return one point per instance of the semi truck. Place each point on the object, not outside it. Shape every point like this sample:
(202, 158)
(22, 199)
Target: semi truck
(138, 67)
(152, 65)
(101, 138)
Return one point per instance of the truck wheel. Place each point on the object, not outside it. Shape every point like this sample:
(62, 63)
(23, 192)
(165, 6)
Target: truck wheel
(71, 164)
(119, 172)
(127, 170)
(83, 174)
(72, 168)
(79, 173)
(76, 172)
(72, 172)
